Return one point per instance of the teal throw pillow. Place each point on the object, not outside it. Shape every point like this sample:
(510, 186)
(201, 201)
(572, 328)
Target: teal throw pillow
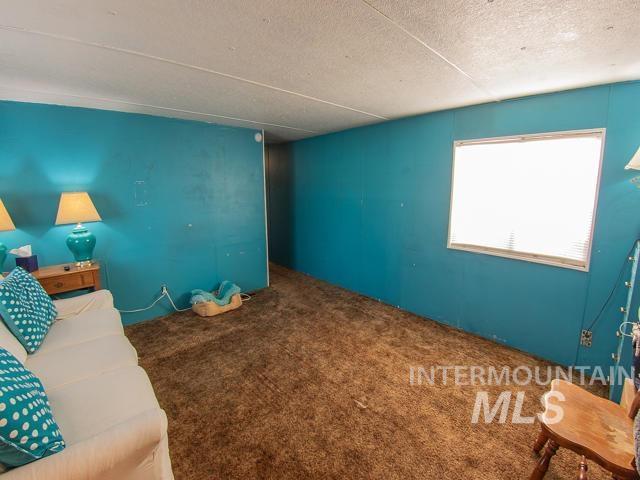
(28, 430)
(26, 308)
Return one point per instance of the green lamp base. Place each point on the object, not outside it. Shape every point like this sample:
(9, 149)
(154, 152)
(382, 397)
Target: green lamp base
(3, 255)
(81, 242)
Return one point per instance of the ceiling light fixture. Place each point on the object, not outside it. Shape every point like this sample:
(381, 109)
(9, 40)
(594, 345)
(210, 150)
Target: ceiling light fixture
(634, 163)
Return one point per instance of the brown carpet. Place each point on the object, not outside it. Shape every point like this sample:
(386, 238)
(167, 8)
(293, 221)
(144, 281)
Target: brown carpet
(308, 380)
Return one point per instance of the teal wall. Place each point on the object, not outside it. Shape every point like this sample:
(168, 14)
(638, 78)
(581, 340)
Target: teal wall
(368, 209)
(182, 202)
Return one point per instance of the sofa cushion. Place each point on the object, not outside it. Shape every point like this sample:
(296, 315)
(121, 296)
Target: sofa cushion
(62, 366)
(26, 308)
(82, 328)
(10, 343)
(70, 307)
(134, 450)
(86, 408)
(27, 428)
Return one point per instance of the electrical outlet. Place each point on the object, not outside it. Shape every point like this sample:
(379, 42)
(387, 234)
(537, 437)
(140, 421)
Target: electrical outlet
(586, 338)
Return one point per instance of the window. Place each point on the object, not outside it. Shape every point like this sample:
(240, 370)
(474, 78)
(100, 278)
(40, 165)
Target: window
(529, 197)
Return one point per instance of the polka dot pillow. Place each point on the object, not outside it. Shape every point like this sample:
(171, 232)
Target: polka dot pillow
(26, 308)
(27, 428)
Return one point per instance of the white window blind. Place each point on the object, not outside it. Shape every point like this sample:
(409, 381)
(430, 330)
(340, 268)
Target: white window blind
(529, 197)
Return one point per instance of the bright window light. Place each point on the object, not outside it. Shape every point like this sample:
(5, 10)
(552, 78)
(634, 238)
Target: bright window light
(530, 197)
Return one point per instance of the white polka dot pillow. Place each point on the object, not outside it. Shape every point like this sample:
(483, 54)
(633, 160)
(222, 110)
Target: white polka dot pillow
(27, 428)
(26, 308)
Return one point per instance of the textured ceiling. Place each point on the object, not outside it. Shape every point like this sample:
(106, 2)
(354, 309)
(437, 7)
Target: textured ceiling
(299, 68)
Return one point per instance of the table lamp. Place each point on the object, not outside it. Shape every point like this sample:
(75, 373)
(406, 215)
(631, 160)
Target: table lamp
(77, 207)
(6, 224)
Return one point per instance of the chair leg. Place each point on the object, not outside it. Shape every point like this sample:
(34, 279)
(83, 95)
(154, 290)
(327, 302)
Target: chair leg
(583, 469)
(540, 442)
(543, 464)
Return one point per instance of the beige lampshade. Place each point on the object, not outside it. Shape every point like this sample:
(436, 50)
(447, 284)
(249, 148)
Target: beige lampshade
(76, 207)
(635, 162)
(5, 220)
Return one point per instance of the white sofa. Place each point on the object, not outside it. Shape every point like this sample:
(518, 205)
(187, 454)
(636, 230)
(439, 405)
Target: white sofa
(102, 400)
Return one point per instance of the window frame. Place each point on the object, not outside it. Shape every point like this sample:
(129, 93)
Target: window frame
(523, 256)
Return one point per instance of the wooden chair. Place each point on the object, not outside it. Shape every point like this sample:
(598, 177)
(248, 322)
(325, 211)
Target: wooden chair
(596, 428)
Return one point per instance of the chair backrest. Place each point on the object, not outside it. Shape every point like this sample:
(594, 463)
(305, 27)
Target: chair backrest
(628, 393)
(630, 399)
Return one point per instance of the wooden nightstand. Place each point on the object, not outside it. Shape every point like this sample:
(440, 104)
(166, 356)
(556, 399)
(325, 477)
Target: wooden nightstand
(55, 279)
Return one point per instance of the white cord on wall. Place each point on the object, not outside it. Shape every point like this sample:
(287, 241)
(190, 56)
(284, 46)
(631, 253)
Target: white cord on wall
(164, 293)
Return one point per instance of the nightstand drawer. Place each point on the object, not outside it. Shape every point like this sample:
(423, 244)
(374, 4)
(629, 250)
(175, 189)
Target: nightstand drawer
(66, 283)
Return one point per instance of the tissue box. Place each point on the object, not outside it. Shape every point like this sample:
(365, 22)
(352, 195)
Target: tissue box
(30, 264)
